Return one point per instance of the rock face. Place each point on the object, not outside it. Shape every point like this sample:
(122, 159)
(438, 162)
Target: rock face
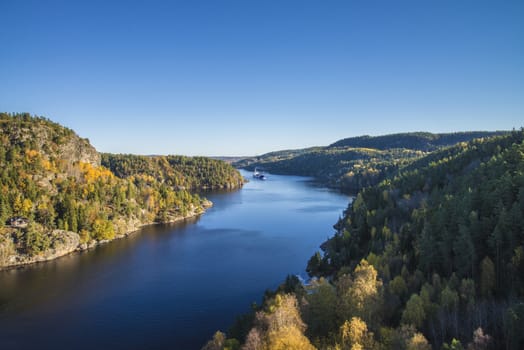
(62, 243)
(65, 242)
(77, 149)
(7, 249)
(51, 140)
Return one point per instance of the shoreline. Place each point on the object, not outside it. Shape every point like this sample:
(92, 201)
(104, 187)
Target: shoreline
(83, 247)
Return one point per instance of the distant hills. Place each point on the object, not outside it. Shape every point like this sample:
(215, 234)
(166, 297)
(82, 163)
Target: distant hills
(354, 163)
(422, 141)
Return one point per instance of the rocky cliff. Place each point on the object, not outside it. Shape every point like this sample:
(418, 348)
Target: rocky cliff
(51, 140)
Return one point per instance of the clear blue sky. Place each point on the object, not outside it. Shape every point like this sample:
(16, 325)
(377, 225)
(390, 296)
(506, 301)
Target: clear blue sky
(251, 76)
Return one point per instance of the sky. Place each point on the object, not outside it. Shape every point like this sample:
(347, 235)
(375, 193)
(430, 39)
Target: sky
(232, 78)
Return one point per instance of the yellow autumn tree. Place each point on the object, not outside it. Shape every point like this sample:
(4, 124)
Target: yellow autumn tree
(103, 229)
(279, 327)
(418, 342)
(27, 207)
(289, 338)
(217, 343)
(361, 295)
(92, 174)
(354, 335)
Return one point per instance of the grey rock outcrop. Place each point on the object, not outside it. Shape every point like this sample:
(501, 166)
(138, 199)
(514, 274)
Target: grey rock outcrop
(62, 243)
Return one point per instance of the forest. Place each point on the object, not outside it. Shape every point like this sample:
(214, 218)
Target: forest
(354, 163)
(191, 173)
(432, 257)
(52, 182)
(421, 141)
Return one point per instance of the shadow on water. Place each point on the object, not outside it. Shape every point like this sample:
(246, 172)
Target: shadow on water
(26, 287)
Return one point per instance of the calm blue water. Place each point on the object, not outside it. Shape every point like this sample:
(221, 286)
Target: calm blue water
(171, 287)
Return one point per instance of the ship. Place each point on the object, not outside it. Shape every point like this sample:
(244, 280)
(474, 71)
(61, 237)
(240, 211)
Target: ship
(258, 175)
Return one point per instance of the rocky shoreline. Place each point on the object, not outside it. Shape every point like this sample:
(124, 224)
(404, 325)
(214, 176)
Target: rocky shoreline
(68, 242)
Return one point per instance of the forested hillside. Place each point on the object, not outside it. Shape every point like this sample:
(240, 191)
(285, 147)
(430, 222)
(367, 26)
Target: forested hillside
(354, 163)
(180, 172)
(432, 257)
(57, 197)
(349, 169)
